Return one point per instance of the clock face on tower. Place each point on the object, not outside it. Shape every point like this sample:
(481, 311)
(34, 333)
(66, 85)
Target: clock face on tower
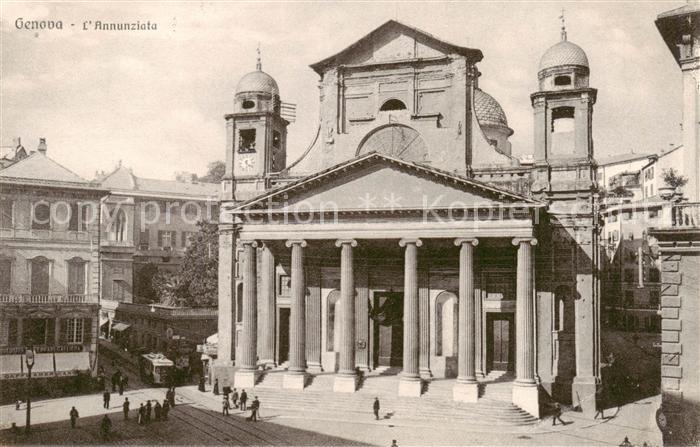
(396, 141)
(246, 162)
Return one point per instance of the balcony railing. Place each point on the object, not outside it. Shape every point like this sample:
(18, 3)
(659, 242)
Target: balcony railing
(686, 215)
(26, 298)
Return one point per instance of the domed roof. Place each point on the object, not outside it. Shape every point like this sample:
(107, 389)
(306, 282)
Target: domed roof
(257, 81)
(563, 53)
(488, 111)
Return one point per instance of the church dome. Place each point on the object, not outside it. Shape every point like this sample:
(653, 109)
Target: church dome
(562, 54)
(488, 111)
(259, 82)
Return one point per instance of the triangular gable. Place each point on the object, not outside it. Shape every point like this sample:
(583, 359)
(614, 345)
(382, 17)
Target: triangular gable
(40, 167)
(395, 41)
(120, 178)
(376, 182)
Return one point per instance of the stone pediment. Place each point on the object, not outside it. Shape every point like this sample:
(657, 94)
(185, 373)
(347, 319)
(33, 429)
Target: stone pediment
(394, 41)
(376, 182)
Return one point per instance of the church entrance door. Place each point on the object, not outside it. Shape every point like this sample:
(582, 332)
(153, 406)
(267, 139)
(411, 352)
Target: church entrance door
(283, 334)
(500, 341)
(387, 317)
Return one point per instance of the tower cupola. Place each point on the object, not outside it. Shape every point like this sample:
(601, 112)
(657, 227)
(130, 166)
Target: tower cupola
(564, 65)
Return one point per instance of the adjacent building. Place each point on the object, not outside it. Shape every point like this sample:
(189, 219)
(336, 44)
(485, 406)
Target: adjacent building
(146, 226)
(49, 269)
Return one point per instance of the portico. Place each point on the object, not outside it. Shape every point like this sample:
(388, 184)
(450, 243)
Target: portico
(355, 277)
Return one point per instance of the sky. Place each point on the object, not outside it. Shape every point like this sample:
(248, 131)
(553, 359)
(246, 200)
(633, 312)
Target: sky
(155, 100)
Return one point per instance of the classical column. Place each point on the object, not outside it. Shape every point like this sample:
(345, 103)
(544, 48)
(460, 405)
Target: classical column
(296, 376)
(410, 383)
(246, 373)
(362, 323)
(466, 389)
(424, 323)
(479, 334)
(313, 318)
(223, 365)
(346, 380)
(525, 393)
(267, 308)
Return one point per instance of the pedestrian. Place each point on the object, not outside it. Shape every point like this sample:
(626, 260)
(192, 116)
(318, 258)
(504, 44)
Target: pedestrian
(216, 387)
(73, 417)
(149, 408)
(142, 415)
(105, 426)
(105, 399)
(166, 409)
(202, 387)
(254, 408)
(226, 406)
(157, 410)
(121, 386)
(393, 443)
(375, 407)
(172, 397)
(125, 381)
(18, 404)
(244, 400)
(557, 414)
(234, 398)
(125, 408)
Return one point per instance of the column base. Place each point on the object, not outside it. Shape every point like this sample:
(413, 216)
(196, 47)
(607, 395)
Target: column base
(410, 386)
(425, 374)
(294, 381)
(345, 383)
(268, 364)
(583, 395)
(465, 392)
(246, 378)
(314, 368)
(527, 397)
(480, 375)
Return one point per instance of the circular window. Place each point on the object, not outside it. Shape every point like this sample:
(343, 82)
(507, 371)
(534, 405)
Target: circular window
(247, 104)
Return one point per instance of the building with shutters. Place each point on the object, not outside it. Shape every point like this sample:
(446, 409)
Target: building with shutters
(49, 270)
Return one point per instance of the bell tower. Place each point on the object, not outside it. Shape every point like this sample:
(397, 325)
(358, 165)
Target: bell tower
(256, 135)
(563, 112)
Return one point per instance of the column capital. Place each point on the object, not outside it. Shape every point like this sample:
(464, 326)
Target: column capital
(410, 240)
(524, 240)
(300, 242)
(341, 242)
(252, 242)
(466, 240)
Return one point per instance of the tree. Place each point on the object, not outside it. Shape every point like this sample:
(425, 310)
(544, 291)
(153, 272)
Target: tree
(673, 178)
(143, 283)
(170, 288)
(215, 172)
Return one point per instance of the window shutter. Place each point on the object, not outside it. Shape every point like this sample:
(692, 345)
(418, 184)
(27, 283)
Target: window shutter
(64, 331)
(87, 330)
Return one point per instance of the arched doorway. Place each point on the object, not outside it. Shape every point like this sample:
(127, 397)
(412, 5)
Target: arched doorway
(387, 316)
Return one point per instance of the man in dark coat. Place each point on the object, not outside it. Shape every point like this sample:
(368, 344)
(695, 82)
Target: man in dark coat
(166, 409)
(142, 415)
(244, 400)
(105, 399)
(105, 426)
(254, 407)
(121, 386)
(375, 407)
(216, 387)
(149, 408)
(157, 410)
(226, 406)
(234, 398)
(556, 415)
(115, 379)
(73, 417)
(172, 397)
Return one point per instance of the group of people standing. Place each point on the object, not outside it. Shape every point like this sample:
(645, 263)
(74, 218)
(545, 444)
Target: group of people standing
(237, 401)
(160, 412)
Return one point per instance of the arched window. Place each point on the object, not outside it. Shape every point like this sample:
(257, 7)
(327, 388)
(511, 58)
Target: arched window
(563, 119)
(332, 321)
(446, 324)
(563, 315)
(392, 104)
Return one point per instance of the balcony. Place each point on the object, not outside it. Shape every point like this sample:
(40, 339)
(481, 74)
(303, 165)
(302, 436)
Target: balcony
(26, 298)
(686, 215)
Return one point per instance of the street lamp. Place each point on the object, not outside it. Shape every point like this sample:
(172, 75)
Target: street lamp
(29, 360)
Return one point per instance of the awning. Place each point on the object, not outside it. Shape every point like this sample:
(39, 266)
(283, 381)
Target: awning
(119, 327)
(14, 366)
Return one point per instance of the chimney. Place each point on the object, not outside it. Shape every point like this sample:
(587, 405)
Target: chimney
(42, 146)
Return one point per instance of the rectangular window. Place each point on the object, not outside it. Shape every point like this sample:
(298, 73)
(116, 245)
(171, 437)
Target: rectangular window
(165, 239)
(284, 283)
(75, 330)
(5, 276)
(144, 240)
(41, 216)
(246, 141)
(76, 278)
(6, 213)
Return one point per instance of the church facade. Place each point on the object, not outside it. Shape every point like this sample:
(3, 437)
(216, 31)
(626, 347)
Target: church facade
(407, 237)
